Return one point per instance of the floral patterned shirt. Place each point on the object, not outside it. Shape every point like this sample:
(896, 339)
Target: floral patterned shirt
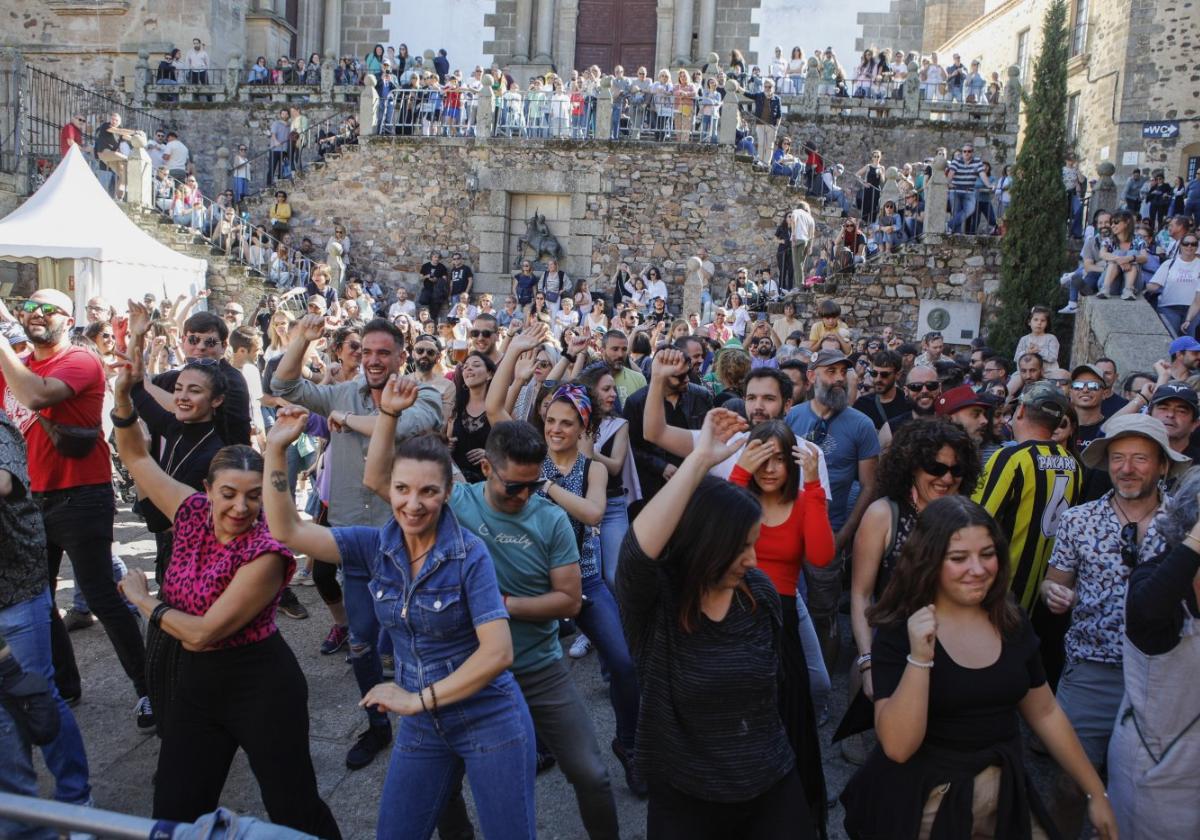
(1088, 544)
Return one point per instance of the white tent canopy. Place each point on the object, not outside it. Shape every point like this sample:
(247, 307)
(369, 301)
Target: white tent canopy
(71, 218)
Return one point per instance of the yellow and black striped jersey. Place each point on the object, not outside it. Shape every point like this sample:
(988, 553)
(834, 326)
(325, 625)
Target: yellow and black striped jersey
(1026, 488)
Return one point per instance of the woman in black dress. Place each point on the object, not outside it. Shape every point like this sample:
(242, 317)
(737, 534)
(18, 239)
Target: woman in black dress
(871, 176)
(469, 427)
(954, 662)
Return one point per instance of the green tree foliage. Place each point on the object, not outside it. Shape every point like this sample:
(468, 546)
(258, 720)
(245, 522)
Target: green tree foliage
(1034, 248)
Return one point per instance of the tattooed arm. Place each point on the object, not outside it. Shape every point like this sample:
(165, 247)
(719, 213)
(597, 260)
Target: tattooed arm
(280, 508)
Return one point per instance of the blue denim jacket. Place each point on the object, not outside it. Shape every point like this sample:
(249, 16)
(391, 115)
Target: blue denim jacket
(431, 619)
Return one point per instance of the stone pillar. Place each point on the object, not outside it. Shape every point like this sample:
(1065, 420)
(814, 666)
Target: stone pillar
(280, 8)
(708, 27)
(912, 90)
(544, 45)
(683, 33)
(332, 33)
(141, 78)
(139, 173)
(524, 27)
(891, 188)
(328, 65)
(604, 109)
(233, 76)
(368, 104)
(1104, 194)
(485, 121)
(664, 13)
(566, 27)
(727, 129)
(1012, 98)
(221, 179)
(936, 195)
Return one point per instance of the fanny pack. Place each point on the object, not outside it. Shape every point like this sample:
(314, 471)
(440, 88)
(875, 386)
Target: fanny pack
(70, 441)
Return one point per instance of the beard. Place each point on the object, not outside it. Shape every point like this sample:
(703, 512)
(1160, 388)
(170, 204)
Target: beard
(425, 363)
(833, 397)
(49, 337)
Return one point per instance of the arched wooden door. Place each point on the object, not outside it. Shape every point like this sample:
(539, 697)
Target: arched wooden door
(611, 32)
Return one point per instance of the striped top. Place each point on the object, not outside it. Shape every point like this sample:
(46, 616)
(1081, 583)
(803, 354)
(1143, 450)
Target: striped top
(963, 175)
(708, 722)
(1026, 488)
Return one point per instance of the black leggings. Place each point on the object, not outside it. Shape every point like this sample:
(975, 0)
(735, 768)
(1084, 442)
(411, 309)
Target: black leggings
(324, 575)
(777, 814)
(253, 697)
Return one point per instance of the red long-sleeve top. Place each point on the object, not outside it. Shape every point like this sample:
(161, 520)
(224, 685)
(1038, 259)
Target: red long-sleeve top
(805, 536)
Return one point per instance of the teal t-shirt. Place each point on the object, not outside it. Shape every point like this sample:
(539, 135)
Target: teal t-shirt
(524, 549)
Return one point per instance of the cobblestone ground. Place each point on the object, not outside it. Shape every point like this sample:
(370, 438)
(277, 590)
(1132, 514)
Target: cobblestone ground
(123, 758)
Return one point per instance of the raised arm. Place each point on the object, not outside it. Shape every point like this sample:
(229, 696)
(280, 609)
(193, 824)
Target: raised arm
(278, 503)
(166, 493)
(655, 524)
(587, 509)
(32, 391)
(398, 394)
(525, 341)
(677, 441)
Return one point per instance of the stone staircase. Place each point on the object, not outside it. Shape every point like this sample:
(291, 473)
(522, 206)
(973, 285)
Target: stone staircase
(228, 279)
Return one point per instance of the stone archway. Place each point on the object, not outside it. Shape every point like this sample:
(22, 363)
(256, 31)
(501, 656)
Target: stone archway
(611, 32)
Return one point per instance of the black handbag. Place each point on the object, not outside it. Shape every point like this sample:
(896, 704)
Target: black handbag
(70, 441)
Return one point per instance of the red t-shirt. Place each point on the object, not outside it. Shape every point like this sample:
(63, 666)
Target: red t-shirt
(83, 372)
(69, 132)
(805, 537)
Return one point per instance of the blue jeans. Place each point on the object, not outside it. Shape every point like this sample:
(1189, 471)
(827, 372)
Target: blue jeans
(491, 733)
(601, 621)
(612, 530)
(364, 633)
(1083, 283)
(18, 776)
(241, 188)
(26, 628)
(962, 205)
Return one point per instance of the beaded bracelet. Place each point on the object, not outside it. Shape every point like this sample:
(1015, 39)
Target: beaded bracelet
(918, 663)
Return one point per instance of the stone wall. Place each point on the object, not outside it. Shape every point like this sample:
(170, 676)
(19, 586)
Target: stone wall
(362, 26)
(849, 139)
(647, 204)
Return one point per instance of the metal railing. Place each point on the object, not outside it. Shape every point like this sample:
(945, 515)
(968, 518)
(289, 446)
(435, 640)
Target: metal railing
(31, 811)
(428, 112)
(49, 103)
(545, 115)
(265, 167)
(213, 77)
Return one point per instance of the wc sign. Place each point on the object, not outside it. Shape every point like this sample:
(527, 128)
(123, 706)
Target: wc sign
(1160, 130)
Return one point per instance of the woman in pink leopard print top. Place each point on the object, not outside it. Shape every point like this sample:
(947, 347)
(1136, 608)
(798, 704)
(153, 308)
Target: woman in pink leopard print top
(237, 682)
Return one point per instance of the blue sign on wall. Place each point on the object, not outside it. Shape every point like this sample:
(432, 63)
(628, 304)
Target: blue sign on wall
(1160, 130)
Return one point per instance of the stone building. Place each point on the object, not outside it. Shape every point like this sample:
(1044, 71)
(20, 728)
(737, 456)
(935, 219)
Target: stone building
(1132, 84)
(96, 42)
(917, 25)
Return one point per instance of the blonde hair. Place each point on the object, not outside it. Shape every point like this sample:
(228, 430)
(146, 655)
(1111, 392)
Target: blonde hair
(278, 342)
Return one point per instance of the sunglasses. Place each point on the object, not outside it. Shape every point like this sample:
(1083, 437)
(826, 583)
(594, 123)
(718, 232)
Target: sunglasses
(45, 309)
(1087, 386)
(916, 387)
(428, 351)
(1129, 545)
(354, 346)
(516, 488)
(1188, 243)
(818, 433)
(210, 341)
(107, 335)
(481, 333)
(882, 374)
(937, 469)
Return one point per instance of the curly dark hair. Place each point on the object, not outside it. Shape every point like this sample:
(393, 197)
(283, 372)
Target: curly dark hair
(918, 442)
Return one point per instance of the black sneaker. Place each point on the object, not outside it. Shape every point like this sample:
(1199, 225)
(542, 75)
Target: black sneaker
(632, 780)
(545, 761)
(290, 605)
(145, 715)
(368, 745)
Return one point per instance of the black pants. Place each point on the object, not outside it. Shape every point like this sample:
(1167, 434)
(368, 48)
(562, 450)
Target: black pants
(324, 575)
(79, 523)
(777, 814)
(276, 168)
(253, 697)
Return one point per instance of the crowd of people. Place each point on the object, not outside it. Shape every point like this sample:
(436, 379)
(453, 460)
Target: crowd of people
(694, 497)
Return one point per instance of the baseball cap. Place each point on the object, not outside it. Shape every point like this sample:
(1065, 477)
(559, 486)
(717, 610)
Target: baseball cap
(1092, 369)
(958, 398)
(827, 357)
(1130, 425)
(1183, 344)
(1046, 398)
(13, 333)
(1176, 391)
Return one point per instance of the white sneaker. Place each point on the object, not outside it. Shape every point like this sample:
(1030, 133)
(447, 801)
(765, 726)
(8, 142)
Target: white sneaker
(1128, 294)
(303, 577)
(1070, 309)
(579, 647)
(1065, 280)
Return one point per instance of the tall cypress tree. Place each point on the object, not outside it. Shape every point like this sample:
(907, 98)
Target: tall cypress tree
(1034, 247)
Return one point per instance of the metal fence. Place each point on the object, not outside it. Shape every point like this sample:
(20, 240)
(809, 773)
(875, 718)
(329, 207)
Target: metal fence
(264, 168)
(10, 120)
(418, 112)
